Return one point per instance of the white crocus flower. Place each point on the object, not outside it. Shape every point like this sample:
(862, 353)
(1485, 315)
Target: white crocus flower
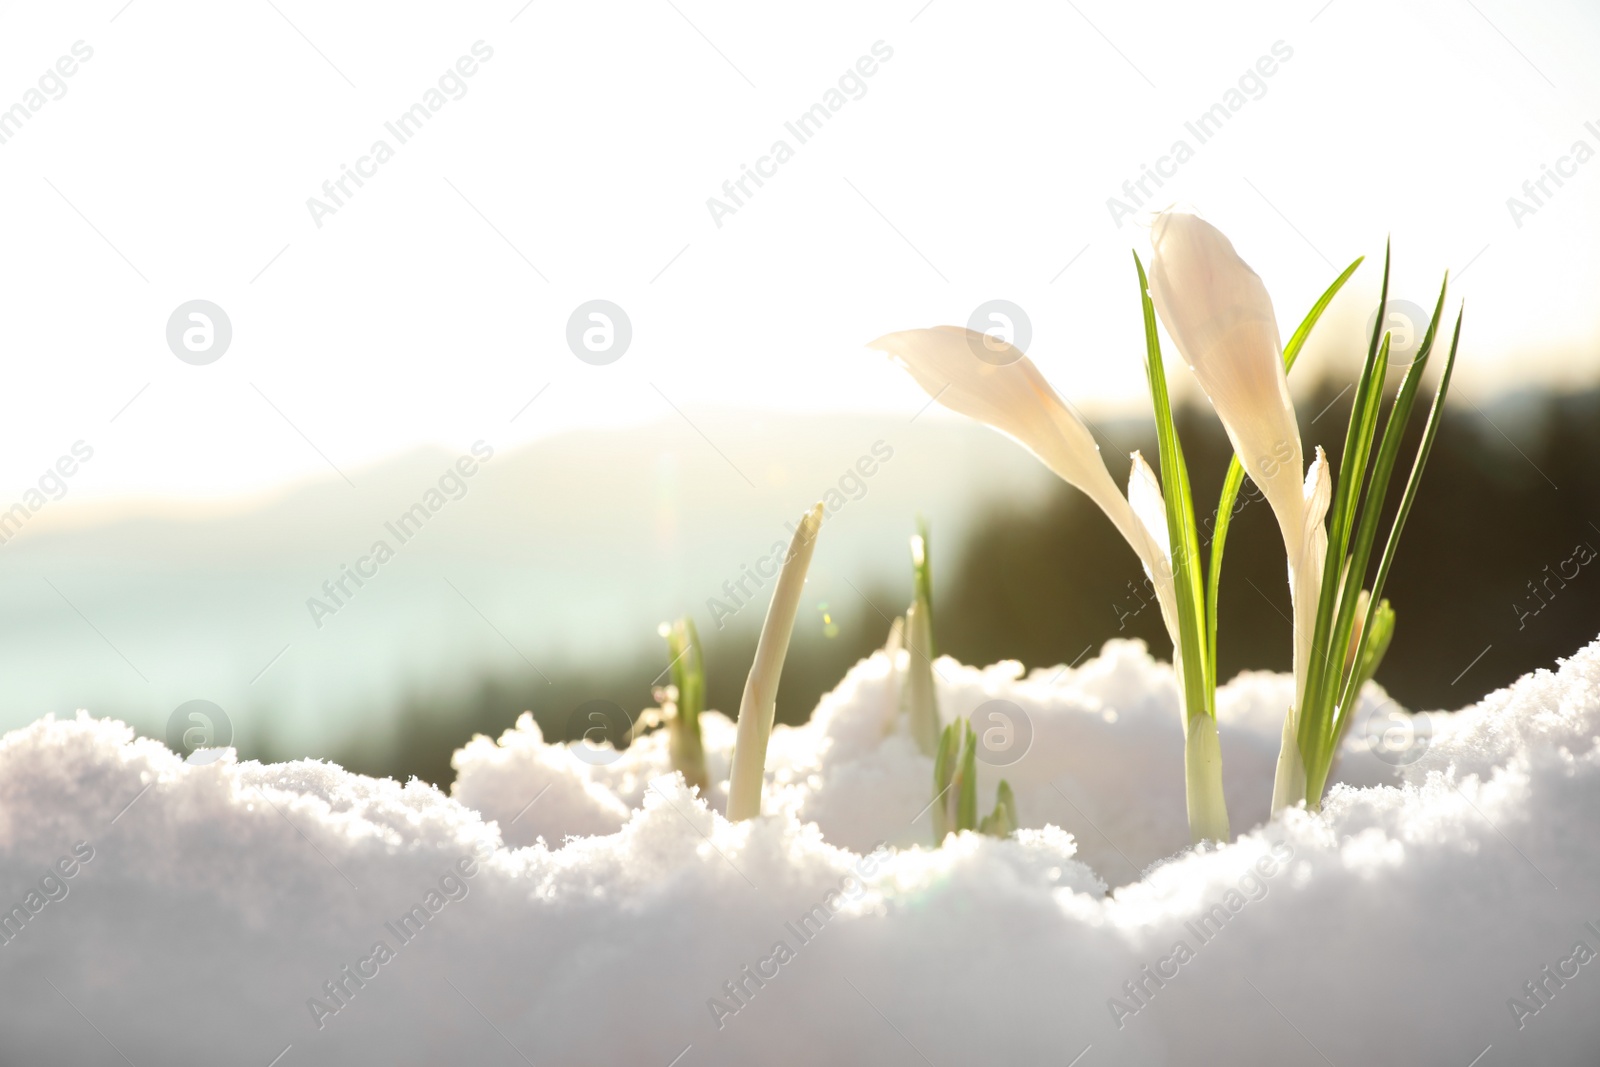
(1217, 311)
(1003, 389)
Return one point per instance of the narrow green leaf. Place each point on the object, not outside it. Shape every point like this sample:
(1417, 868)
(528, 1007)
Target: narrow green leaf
(1355, 565)
(1376, 636)
(1372, 502)
(1327, 658)
(689, 679)
(967, 783)
(1352, 472)
(1302, 333)
(1002, 822)
(689, 673)
(1425, 447)
(1219, 540)
(944, 772)
(922, 579)
(1184, 544)
(1193, 573)
(920, 695)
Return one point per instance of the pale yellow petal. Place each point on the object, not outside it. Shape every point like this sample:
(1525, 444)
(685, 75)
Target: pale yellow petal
(1219, 314)
(1147, 503)
(979, 376)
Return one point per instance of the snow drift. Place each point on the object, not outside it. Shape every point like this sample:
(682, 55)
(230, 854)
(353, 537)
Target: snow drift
(555, 912)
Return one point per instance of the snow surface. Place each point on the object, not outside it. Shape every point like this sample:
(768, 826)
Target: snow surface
(207, 905)
(1099, 732)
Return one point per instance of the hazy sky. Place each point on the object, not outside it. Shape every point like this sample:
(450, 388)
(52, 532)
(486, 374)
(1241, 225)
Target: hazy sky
(576, 160)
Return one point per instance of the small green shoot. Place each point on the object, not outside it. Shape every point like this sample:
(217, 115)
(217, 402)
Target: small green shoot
(920, 695)
(955, 789)
(683, 719)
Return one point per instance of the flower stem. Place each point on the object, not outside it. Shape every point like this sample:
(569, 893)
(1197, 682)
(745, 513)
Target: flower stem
(1191, 654)
(1202, 770)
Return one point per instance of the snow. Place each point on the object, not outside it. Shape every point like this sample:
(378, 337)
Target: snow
(563, 912)
(1098, 732)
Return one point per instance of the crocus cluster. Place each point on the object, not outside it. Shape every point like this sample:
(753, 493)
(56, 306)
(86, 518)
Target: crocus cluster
(1217, 311)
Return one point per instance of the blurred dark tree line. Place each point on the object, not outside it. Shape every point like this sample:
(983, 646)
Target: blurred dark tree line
(1497, 574)
(1489, 562)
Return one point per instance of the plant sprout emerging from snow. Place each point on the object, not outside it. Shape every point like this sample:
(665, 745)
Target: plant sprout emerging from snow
(1007, 392)
(892, 648)
(759, 703)
(955, 789)
(954, 749)
(1218, 312)
(921, 698)
(686, 701)
(1346, 649)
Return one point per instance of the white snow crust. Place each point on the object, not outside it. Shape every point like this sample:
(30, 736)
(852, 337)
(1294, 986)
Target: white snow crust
(569, 913)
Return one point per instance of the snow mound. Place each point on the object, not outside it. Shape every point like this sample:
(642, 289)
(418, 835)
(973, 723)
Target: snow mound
(1097, 732)
(234, 912)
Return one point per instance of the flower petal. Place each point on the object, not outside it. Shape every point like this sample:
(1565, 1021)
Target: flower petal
(1306, 567)
(1007, 393)
(1144, 497)
(1003, 389)
(1219, 314)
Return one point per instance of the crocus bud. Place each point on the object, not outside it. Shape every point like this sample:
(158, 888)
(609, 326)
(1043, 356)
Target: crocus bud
(1218, 312)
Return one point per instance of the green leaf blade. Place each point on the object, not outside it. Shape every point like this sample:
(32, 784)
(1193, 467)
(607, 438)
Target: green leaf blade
(1183, 542)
